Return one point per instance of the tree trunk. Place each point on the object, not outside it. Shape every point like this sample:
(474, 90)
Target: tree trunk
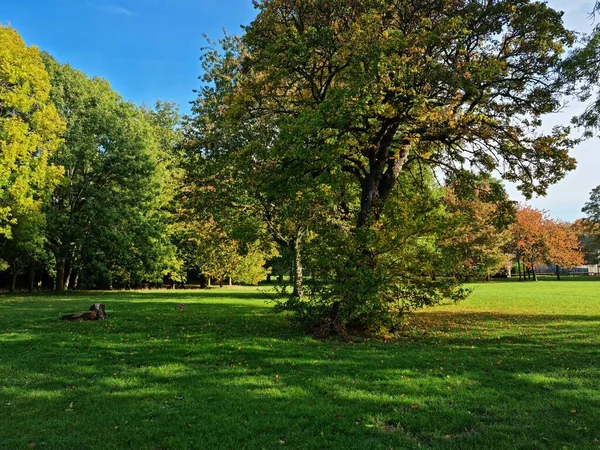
(268, 278)
(76, 280)
(519, 267)
(297, 265)
(221, 282)
(31, 277)
(557, 272)
(60, 274)
(533, 273)
(230, 282)
(68, 276)
(13, 279)
(384, 170)
(208, 281)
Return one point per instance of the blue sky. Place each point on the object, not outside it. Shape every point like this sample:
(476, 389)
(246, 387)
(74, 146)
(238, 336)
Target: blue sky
(149, 50)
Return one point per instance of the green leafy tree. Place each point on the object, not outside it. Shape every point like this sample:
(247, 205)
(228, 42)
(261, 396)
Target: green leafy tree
(475, 230)
(231, 184)
(30, 131)
(589, 227)
(581, 76)
(252, 268)
(205, 246)
(105, 220)
(592, 208)
(25, 246)
(366, 89)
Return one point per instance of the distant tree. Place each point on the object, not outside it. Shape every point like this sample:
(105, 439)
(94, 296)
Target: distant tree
(105, 217)
(476, 228)
(205, 246)
(252, 268)
(529, 237)
(25, 246)
(563, 245)
(538, 239)
(592, 208)
(589, 227)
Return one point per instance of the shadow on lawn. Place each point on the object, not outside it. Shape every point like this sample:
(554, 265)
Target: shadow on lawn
(149, 295)
(236, 376)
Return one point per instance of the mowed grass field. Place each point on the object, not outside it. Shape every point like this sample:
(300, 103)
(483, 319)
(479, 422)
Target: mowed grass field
(516, 366)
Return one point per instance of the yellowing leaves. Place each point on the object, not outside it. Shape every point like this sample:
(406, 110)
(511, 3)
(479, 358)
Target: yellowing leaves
(30, 127)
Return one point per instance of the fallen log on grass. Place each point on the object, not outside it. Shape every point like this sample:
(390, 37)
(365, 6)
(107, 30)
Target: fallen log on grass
(96, 312)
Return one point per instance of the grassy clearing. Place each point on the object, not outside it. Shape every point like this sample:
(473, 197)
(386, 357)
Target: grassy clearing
(515, 366)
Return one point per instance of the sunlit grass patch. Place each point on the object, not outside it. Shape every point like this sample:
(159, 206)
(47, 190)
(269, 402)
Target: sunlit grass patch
(514, 366)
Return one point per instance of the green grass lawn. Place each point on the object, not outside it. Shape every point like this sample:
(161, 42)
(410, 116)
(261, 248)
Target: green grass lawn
(516, 366)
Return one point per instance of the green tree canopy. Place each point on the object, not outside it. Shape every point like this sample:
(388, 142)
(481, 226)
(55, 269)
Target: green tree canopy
(107, 214)
(30, 130)
(342, 97)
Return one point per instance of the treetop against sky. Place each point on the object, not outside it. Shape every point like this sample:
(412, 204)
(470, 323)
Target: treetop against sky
(149, 50)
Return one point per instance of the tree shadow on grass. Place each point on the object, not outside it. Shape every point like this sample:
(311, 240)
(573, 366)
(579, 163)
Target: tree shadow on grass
(236, 376)
(150, 295)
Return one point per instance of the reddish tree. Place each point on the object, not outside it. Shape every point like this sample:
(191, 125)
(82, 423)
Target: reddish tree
(538, 239)
(563, 245)
(528, 237)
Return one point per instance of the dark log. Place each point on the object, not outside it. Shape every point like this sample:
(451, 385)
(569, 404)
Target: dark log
(97, 312)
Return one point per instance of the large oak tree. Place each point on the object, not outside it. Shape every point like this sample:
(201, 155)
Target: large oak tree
(350, 93)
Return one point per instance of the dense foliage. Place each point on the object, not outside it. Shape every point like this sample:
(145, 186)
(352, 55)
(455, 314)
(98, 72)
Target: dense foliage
(350, 147)
(369, 93)
(538, 239)
(30, 132)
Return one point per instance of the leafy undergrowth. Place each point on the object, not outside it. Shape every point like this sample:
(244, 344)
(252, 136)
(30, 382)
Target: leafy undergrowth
(515, 366)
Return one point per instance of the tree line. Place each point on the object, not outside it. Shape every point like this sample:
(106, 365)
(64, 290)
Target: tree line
(357, 147)
(92, 185)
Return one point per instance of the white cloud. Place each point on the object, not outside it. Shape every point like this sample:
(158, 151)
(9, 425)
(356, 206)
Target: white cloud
(114, 9)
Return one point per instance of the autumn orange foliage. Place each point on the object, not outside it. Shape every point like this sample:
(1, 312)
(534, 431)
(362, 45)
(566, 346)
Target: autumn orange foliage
(539, 239)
